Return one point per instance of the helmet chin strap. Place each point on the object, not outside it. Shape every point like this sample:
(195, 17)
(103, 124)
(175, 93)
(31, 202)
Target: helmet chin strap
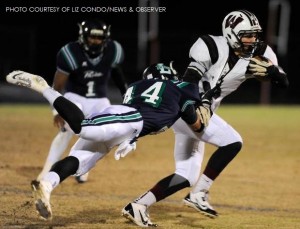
(245, 51)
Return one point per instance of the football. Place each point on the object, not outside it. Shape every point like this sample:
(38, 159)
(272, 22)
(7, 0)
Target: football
(261, 58)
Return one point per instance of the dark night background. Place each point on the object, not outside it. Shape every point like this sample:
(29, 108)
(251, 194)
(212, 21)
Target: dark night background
(30, 41)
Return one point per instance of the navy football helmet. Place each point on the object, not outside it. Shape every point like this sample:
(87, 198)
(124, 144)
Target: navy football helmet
(94, 29)
(161, 71)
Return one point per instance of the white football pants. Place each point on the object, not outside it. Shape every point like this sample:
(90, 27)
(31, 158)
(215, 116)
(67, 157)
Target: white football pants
(189, 145)
(62, 139)
(97, 140)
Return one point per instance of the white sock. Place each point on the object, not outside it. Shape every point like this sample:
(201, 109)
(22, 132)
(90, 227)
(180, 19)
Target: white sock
(50, 94)
(58, 147)
(52, 178)
(204, 183)
(147, 199)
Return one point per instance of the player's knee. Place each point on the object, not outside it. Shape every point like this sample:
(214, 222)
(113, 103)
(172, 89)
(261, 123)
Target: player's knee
(231, 150)
(190, 175)
(66, 167)
(237, 146)
(190, 166)
(234, 138)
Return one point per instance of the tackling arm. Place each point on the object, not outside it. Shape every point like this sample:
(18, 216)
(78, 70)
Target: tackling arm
(192, 117)
(198, 118)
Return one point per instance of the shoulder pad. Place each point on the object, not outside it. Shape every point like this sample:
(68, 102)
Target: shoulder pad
(212, 47)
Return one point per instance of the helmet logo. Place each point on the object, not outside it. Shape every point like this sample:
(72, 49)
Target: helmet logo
(163, 69)
(254, 21)
(232, 21)
(160, 71)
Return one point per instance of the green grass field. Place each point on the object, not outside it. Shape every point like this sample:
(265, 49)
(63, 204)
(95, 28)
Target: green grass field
(259, 189)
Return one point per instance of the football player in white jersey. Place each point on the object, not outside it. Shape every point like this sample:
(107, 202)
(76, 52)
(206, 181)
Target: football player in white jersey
(223, 63)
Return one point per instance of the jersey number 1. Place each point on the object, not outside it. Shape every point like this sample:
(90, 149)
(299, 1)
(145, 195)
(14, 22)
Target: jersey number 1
(90, 89)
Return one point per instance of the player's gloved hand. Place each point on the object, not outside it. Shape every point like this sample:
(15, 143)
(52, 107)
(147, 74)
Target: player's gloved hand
(124, 148)
(261, 66)
(204, 112)
(204, 109)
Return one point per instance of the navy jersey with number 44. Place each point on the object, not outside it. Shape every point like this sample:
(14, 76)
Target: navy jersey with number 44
(160, 102)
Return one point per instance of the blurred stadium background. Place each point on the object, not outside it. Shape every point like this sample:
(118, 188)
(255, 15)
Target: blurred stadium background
(30, 41)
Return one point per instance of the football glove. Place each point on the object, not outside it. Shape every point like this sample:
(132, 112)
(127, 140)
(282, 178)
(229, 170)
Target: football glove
(124, 148)
(204, 109)
(204, 112)
(261, 66)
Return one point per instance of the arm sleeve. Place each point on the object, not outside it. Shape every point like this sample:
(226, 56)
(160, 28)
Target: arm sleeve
(278, 76)
(192, 75)
(275, 72)
(189, 115)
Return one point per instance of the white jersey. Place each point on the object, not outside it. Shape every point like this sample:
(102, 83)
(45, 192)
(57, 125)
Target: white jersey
(214, 61)
(231, 75)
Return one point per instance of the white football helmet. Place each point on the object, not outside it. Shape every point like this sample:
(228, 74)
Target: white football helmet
(238, 23)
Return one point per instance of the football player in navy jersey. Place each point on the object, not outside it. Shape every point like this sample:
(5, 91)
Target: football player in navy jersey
(84, 68)
(150, 106)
